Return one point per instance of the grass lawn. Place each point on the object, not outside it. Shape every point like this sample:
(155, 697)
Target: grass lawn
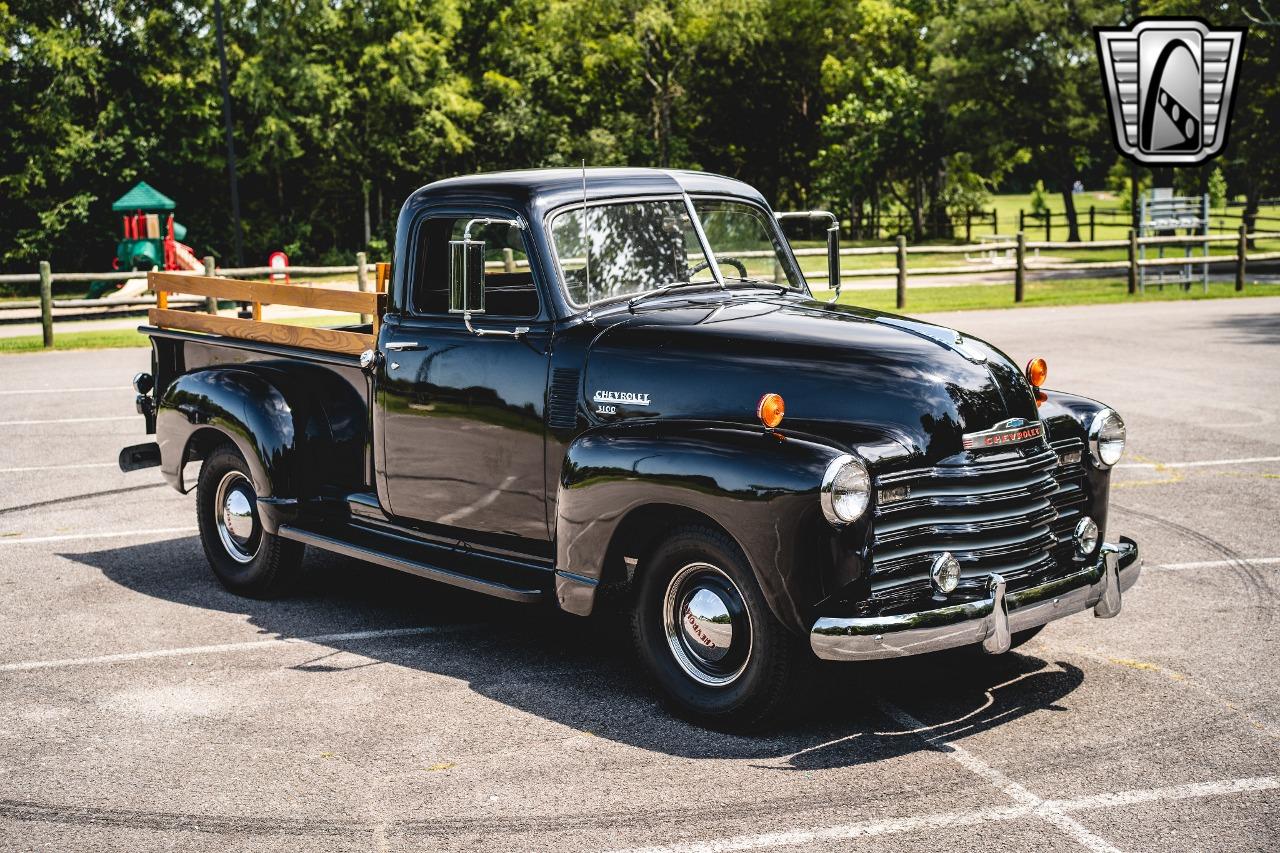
(104, 339)
(120, 338)
(1039, 293)
(1107, 227)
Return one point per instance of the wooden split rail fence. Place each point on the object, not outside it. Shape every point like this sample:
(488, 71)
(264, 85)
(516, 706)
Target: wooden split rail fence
(210, 288)
(1019, 265)
(46, 277)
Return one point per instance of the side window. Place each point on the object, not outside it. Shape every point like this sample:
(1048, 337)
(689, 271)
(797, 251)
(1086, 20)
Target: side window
(509, 287)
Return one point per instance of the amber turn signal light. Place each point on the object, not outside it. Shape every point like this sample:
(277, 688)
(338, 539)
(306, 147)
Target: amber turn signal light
(1037, 372)
(770, 410)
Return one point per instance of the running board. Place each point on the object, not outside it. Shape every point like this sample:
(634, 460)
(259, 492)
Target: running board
(405, 563)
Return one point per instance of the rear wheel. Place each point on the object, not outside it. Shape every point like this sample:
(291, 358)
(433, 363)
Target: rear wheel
(244, 557)
(707, 637)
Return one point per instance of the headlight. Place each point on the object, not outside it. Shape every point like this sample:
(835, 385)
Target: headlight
(1086, 536)
(1106, 438)
(846, 490)
(944, 574)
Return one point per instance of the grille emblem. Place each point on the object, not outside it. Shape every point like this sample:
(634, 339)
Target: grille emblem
(1012, 431)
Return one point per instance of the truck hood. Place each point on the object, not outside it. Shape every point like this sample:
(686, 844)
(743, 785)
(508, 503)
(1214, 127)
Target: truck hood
(882, 385)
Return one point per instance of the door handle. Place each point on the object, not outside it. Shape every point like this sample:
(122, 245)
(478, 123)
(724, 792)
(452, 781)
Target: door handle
(402, 346)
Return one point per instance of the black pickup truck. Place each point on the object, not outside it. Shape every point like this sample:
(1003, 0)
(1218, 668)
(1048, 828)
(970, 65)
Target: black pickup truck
(620, 379)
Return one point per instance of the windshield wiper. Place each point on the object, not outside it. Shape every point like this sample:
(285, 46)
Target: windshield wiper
(782, 288)
(666, 288)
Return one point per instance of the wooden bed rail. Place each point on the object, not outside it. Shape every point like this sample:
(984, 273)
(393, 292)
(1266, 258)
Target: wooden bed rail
(263, 293)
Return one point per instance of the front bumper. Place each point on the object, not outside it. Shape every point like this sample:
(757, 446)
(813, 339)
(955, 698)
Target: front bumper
(989, 621)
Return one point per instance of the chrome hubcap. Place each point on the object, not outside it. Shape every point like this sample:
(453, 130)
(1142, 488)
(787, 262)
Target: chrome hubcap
(236, 516)
(707, 625)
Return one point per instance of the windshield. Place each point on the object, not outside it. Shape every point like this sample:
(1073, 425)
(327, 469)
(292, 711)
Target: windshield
(640, 246)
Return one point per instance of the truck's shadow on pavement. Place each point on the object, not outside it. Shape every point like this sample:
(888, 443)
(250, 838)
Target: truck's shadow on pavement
(580, 673)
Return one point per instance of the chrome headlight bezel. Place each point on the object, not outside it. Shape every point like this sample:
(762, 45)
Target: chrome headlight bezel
(1086, 537)
(1098, 451)
(944, 573)
(834, 482)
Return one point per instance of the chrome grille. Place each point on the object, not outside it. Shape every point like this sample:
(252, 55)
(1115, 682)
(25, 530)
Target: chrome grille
(1004, 514)
(1072, 493)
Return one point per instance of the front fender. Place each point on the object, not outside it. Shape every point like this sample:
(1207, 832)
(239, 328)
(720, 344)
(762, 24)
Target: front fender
(760, 487)
(287, 427)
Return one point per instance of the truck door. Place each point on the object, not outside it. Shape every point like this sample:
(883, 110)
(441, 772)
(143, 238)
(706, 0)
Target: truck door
(462, 431)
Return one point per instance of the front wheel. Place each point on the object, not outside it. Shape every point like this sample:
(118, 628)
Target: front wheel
(707, 637)
(244, 557)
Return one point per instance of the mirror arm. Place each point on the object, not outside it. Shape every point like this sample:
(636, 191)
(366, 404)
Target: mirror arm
(486, 220)
(518, 332)
(833, 242)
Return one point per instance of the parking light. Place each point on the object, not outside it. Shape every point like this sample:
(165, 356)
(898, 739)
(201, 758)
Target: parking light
(770, 410)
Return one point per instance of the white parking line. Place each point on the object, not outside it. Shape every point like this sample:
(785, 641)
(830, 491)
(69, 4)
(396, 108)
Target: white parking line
(1218, 564)
(944, 820)
(117, 534)
(1015, 790)
(222, 648)
(60, 467)
(1171, 792)
(71, 420)
(15, 391)
(1203, 463)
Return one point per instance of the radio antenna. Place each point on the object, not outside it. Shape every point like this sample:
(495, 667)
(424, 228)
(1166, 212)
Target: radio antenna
(586, 232)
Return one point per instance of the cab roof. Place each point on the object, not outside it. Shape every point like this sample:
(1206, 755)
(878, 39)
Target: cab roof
(539, 190)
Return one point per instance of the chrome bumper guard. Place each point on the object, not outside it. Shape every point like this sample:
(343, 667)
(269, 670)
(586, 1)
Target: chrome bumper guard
(990, 621)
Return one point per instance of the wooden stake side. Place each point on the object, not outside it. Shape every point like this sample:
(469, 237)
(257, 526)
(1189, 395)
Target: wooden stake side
(302, 296)
(332, 340)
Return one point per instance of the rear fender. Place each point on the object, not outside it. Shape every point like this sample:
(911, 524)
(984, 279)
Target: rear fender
(761, 488)
(294, 434)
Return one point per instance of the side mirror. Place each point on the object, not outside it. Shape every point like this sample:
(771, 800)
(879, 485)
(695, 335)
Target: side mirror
(466, 276)
(833, 242)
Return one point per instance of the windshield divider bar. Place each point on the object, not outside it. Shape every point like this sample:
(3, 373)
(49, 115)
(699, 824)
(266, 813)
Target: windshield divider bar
(706, 244)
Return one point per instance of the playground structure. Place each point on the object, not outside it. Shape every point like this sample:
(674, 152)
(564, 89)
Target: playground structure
(152, 239)
(1164, 214)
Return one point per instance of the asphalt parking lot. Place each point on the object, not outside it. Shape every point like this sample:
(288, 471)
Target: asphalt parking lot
(142, 707)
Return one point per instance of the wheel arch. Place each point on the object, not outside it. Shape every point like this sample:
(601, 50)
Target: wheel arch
(621, 488)
(642, 529)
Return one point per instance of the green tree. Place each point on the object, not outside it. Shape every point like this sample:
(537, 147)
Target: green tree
(65, 134)
(882, 132)
(1023, 76)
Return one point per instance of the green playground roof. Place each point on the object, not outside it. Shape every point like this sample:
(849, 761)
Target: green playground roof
(143, 196)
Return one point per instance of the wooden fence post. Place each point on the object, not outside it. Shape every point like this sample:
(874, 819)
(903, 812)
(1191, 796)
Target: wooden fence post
(210, 302)
(902, 271)
(46, 304)
(1020, 271)
(1241, 249)
(1022, 219)
(1048, 225)
(1091, 212)
(968, 225)
(1133, 262)
(362, 279)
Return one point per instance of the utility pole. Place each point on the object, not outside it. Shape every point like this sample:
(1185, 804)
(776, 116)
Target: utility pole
(231, 143)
